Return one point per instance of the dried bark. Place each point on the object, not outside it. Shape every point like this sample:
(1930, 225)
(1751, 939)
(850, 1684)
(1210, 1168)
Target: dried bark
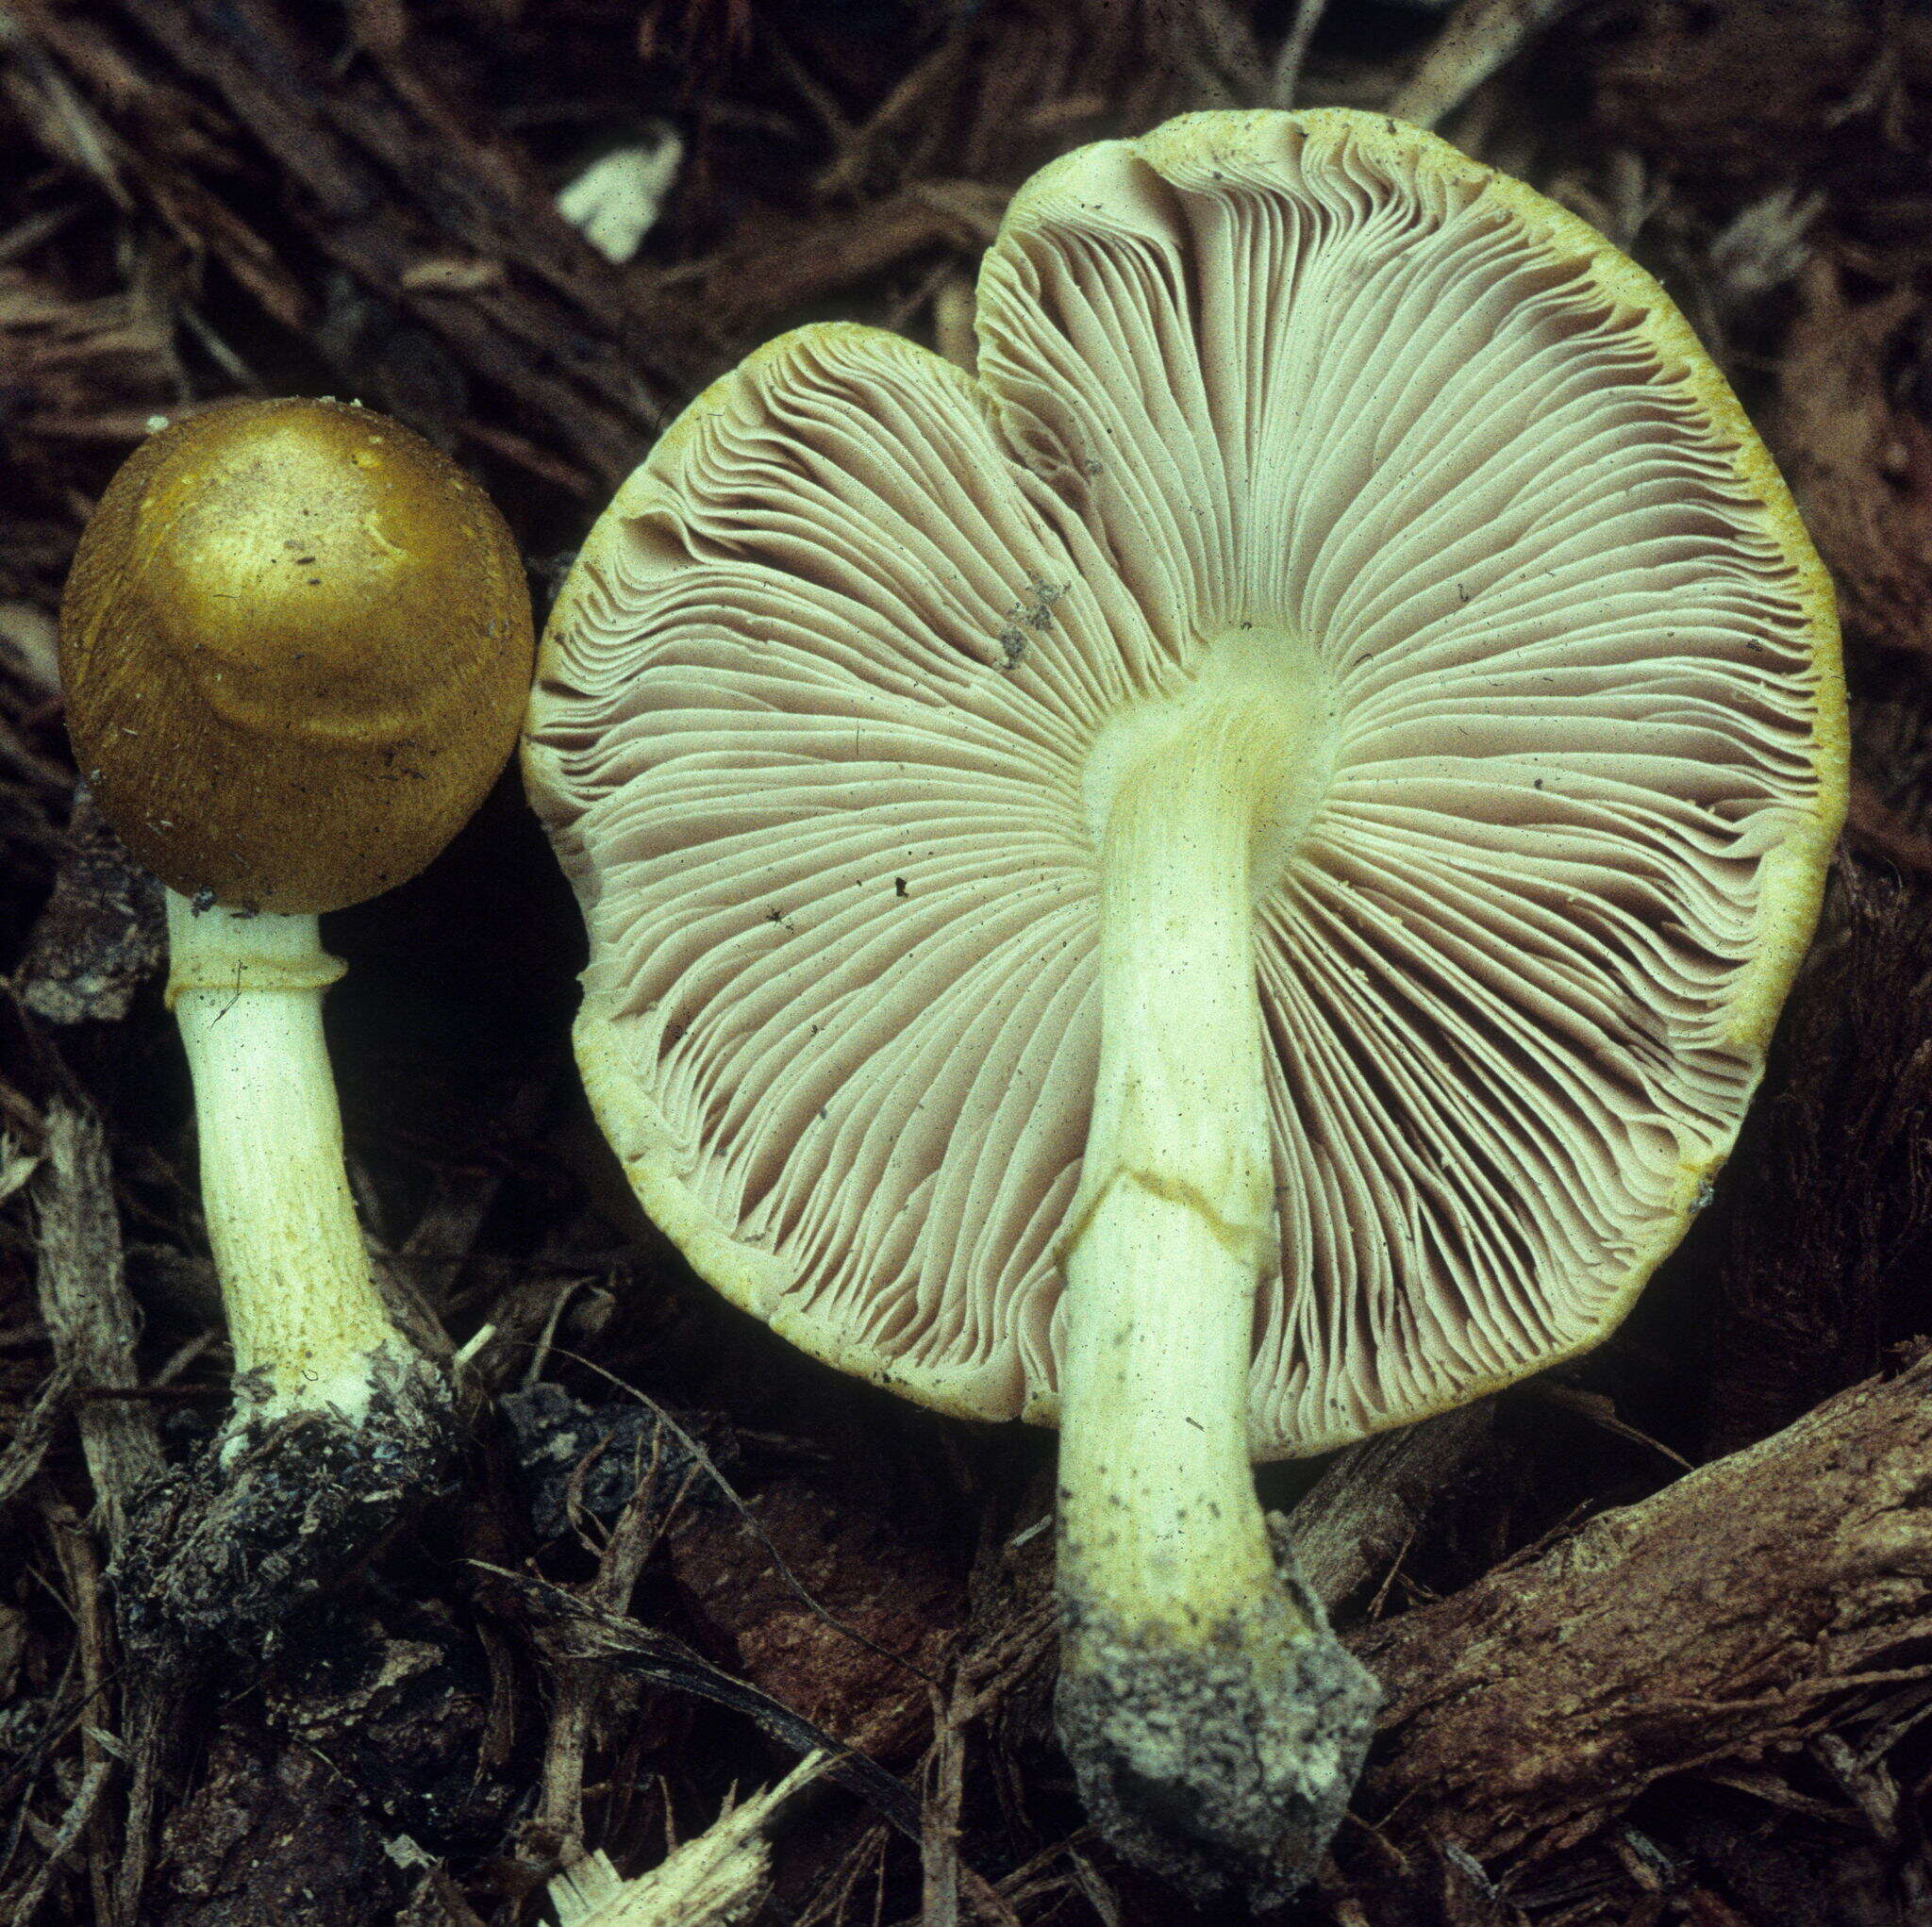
(1824, 1218)
(90, 1315)
(102, 933)
(1360, 1515)
(855, 1574)
(269, 1823)
(1851, 428)
(387, 174)
(197, 197)
(1731, 1615)
(1712, 85)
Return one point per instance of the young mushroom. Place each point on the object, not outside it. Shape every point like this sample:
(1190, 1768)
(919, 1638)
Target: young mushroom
(1225, 883)
(295, 646)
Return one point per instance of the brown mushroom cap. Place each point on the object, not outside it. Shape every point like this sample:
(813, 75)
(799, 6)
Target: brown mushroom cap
(295, 644)
(822, 711)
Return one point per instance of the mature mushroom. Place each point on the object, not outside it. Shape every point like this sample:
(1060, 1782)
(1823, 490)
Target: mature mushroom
(1226, 882)
(295, 645)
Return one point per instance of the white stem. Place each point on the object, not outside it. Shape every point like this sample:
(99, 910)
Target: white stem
(303, 1313)
(1215, 1723)
(1159, 1510)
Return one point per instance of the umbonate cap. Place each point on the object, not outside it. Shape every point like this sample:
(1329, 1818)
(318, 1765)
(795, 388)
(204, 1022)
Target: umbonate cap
(295, 646)
(829, 712)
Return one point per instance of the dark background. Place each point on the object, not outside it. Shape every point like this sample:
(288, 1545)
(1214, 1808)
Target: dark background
(201, 198)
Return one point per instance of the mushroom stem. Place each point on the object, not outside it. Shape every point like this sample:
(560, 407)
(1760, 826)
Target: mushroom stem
(309, 1329)
(1214, 1721)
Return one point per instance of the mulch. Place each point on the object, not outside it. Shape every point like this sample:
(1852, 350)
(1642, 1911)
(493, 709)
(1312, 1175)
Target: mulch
(1657, 1627)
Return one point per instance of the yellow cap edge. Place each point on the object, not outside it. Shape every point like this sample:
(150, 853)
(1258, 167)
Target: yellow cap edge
(1790, 901)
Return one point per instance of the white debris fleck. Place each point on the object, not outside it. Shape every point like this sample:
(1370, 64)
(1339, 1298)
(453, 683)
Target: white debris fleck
(615, 201)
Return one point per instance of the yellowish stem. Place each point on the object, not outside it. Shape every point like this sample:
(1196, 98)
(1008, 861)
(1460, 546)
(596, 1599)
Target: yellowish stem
(309, 1329)
(1214, 1721)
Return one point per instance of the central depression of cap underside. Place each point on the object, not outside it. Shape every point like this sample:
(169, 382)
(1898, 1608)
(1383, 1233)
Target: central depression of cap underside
(812, 728)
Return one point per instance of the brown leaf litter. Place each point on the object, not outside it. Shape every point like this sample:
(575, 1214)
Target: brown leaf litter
(1619, 1693)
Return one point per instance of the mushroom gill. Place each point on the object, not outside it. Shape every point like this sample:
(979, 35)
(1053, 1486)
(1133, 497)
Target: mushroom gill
(814, 727)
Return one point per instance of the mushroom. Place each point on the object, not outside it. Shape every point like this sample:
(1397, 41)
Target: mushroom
(1225, 883)
(295, 646)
